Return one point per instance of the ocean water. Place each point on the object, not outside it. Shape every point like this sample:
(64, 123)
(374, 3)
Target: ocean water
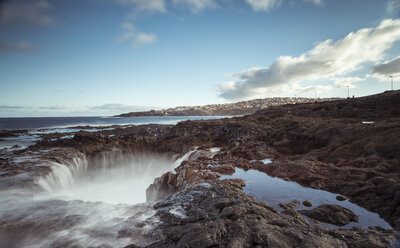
(37, 126)
(59, 122)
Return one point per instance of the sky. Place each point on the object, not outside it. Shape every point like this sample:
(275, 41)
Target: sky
(106, 57)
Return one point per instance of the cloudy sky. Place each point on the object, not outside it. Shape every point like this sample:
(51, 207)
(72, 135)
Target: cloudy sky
(104, 57)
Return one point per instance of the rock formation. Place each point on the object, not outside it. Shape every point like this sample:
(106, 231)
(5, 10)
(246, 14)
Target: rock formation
(349, 147)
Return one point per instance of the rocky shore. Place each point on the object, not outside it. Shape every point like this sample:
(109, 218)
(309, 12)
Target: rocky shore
(349, 147)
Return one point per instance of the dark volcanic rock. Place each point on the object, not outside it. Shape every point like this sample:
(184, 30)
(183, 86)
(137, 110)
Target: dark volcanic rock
(307, 203)
(333, 214)
(161, 188)
(221, 215)
(341, 198)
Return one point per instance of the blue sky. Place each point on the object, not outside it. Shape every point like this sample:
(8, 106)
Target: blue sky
(104, 57)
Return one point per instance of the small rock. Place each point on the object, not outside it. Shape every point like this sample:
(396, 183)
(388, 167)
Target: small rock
(307, 203)
(289, 205)
(341, 198)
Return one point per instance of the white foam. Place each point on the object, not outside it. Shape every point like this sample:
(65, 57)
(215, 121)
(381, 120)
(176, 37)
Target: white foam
(178, 211)
(123, 180)
(266, 161)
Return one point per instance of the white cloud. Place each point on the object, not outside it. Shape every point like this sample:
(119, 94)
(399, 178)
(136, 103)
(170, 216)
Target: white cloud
(145, 5)
(313, 88)
(344, 82)
(55, 107)
(134, 37)
(128, 26)
(227, 86)
(327, 60)
(316, 2)
(393, 6)
(197, 5)
(10, 107)
(126, 36)
(118, 108)
(143, 38)
(28, 12)
(128, 32)
(388, 68)
(21, 47)
(263, 5)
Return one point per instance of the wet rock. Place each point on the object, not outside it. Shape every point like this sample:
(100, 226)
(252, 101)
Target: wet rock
(220, 215)
(341, 198)
(332, 214)
(161, 188)
(307, 203)
(289, 205)
(226, 169)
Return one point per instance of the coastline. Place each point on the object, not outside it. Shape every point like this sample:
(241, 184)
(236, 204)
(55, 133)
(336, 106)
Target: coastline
(322, 145)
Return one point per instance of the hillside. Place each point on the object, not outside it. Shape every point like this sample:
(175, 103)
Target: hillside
(228, 109)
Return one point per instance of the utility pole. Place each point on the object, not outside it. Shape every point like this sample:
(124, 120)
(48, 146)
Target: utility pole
(391, 77)
(348, 92)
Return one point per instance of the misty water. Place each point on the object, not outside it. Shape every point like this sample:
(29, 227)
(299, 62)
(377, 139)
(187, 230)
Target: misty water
(117, 180)
(84, 202)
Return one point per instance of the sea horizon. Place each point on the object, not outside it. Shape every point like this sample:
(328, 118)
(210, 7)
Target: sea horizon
(21, 123)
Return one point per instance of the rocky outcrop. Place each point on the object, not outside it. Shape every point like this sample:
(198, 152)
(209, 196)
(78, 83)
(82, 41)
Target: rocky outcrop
(332, 214)
(221, 215)
(324, 145)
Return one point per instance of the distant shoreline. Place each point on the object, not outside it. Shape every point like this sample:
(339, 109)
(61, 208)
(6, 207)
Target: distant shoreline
(228, 109)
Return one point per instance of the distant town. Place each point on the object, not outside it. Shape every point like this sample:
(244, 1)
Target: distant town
(227, 109)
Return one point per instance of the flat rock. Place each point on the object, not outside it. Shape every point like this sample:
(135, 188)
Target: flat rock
(332, 214)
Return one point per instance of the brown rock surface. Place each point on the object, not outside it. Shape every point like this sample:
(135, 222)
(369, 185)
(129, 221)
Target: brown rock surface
(332, 214)
(307, 203)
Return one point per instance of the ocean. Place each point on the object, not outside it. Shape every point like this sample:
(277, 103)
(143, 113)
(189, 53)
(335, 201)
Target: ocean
(37, 126)
(62, 122)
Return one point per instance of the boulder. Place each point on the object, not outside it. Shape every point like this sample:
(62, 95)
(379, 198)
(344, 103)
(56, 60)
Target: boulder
(332, 214)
